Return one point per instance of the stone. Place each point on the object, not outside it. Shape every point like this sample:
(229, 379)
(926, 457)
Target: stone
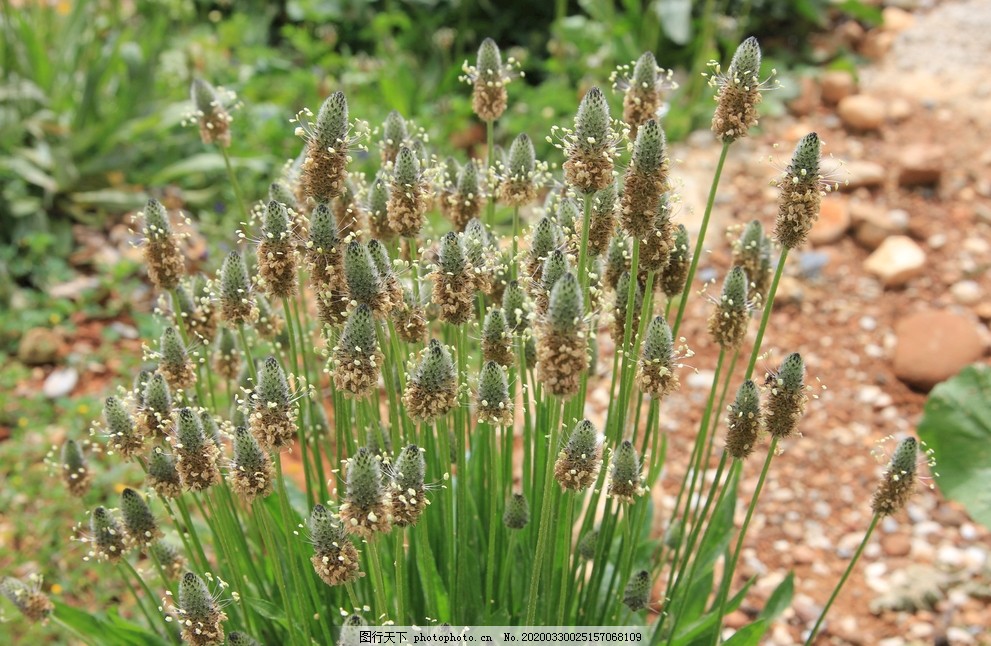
(833, 222)
(920, 165)
(966, 292)
(39, 346)
(896, 545)
(858, 174)
(899, 109)
(861, 112)
(807, 99)
(934, 345)
(895, 20)
(837, 85)
(898, 260)
(877, 43)
(60, 383)
(872, 226)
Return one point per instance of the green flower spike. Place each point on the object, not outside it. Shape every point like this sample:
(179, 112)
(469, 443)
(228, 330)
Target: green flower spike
(517, 513)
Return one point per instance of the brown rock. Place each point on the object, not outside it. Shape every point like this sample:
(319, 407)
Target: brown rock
(898, 260)
(38, 346)
(837, 85)
(896, 20)
(872, 226)
(858, 174)
(861, 112)
(921, 165)
(877, 43)
(934, 345)
(833, 222)
(896, 545)
(899, 109)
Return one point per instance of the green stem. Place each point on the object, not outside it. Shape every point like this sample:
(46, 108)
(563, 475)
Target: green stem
(375, 565)
(490, 152)
(701, 240)
(842, 581)
(148, 592)
(545, 512)
(765, 317)
(235, 185)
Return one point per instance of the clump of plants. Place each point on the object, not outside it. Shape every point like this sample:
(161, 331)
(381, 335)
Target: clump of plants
(377, 409)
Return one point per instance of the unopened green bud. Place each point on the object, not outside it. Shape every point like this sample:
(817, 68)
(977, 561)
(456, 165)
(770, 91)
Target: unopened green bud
(75, 472)
(172, 347)
(468, 179)
(436, 371)
(805, 161)
(617, 259)
(326, 532)
(566, 304)
(378, 198)
(787, 399)
(203, 95)
(362, 276)
(332, 121)
(743, 421)
(637, 593)
(407, 168)
(898, 483)
(140, 523)
(517, 513)
(157, 224)
(592, 121)
(645, 72)
(247, 453)
(555, 266)
(380, 256)
(273, 387)
(649, 149)
(674, 533)
(568, 215)
(140, 383)
(410, 468)
(658, 345)
(107, 535)
(364, 479)
(452, 255)
(513, 305)
(158, 398)
(120, 425)
(545, 238)
(474, 240)
(746, 61)
(625, 482)
(163, 475)
(235, 290)
(359, 332)
(275, 223)
(578, 463)
(522, 159)
(394, 131)
(494, 405)
(489, 60)
(211, 430)
(494, 327)
(323, 228)
(728, 323)
(189, 431)
(195, 600)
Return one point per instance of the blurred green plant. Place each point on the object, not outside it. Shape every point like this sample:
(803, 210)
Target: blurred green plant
(956, 424)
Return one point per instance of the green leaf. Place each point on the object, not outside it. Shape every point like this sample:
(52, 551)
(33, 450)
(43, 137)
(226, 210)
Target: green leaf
(720, 530)
(749, 635)
(780, 598)
(268, 610)
(106, 629)
(711, 620)
(956, 425)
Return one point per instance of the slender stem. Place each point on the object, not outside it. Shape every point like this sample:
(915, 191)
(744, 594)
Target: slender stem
(375, 565)
(234, 184)
(545, 512)
(765, 317)
(144, 586)
(731, 565)
(247, 355)
(701, 240)
(842, 581)
(399, 554)
(490, 163)
(583, 275)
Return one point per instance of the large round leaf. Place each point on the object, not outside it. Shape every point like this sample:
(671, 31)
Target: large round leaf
(956, 424)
